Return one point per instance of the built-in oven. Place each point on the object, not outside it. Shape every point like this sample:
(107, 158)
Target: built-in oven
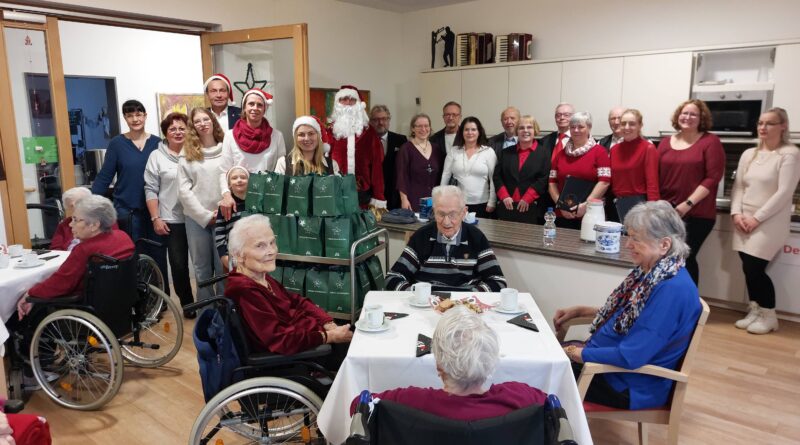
(735, 113)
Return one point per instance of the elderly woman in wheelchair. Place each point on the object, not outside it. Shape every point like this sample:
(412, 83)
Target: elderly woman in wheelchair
(76, 326)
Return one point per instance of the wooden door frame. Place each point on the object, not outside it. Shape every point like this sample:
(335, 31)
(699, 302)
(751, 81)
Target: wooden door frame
(12, 191)
(297, 32)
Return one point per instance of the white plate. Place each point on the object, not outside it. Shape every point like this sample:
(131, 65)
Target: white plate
(520, 309)
(20, 265)
(362, 325)
(413, 303)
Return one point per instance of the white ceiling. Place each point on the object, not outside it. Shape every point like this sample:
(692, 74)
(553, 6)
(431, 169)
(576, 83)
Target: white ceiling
(404, 5)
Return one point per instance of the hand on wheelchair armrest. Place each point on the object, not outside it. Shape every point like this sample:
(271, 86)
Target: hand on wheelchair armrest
(148, 241)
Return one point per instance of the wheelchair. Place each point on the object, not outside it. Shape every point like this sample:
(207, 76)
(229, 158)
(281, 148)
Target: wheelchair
(275, 398)
(76, 345)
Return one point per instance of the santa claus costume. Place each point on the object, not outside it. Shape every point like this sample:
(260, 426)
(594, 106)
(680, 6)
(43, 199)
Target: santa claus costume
(356, 147)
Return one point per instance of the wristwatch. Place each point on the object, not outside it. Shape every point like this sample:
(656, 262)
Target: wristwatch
(689, 203)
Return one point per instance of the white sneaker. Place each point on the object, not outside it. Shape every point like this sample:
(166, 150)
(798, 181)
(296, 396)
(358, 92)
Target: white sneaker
(767, 322)
(751, 316)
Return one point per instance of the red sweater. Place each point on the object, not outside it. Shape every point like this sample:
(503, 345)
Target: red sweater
(68, 279)
(681, 171)
(499, 400)
(280, 321)
(63, 235)
(594, 165)
(634, 169)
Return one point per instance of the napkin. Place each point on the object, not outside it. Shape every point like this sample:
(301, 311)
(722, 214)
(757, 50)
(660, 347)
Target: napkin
(524, 321)
(394, 315)
(423, 345)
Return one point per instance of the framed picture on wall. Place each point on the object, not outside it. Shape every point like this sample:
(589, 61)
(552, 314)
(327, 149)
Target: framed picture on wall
(322, 101)
(180, 103)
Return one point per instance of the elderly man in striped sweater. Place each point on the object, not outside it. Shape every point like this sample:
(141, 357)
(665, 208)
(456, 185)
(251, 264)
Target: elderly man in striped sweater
(448, 254)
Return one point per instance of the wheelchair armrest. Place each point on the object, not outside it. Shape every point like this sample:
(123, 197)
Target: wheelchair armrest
(267, 359)
(13, 406)
(66, 299)
(211, 281)
(148, 241)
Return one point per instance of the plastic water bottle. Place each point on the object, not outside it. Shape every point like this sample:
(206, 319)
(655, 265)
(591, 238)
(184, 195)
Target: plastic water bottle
(549, 238)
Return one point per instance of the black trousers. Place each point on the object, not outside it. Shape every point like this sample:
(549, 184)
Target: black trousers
(480, 211)
(178, 254)
(759, 284)
(697, 230)
(600, 391)
(569, 223)
(532, 216)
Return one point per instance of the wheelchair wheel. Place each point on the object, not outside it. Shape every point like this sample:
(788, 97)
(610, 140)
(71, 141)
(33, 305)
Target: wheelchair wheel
(149, 272)
(76, 359)
(260, 410)
(163, 329)
(15, 391)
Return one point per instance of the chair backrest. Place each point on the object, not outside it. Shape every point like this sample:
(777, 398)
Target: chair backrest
(694, 344)
(239, 332)
(393, 423)
(111, 290)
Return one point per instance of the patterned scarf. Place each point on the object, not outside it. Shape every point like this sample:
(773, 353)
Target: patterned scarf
(570, 149)
(252, 140)
(633, 293)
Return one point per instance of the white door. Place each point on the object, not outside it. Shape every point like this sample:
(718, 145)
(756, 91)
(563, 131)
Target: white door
(438, 89)
(484, 94)
(595, 86)
(536, 90)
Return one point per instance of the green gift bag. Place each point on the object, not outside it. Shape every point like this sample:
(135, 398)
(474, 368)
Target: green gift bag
(294, 278)
(298, 195)
(317, 286)
(339, 289)
(326, 196)
(309, 236)
(363, 284)
(359, 230)
(285, 230)
(338, 237)
(349, 195)
(371, 225)
(273, 193)
(376, 273)
(254, 200)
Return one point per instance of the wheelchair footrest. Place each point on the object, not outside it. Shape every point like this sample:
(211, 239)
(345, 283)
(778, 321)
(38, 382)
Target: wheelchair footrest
(139, 344)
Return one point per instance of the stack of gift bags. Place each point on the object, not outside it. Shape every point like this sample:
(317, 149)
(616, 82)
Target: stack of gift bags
(317, 216)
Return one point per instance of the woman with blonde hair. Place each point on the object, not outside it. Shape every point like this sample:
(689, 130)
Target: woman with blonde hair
(761, 208)
(199, 193)
(308, 156)
(634, 165)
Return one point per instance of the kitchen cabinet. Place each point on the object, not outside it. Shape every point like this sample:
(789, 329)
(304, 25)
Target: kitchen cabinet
(787, 72)
(484, 93)
(438, 88)
(655, 84)
(595, 86)
(721, 276)
(536, 90)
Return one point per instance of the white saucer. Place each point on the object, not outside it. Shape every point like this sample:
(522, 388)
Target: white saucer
(20, 265)
(362, 325)
(413, 303)
(520, 309)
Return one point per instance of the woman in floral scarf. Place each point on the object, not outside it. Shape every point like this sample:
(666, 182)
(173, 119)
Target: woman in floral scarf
(648, 320)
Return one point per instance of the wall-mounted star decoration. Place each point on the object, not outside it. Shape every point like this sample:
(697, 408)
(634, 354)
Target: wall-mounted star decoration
(250, 81)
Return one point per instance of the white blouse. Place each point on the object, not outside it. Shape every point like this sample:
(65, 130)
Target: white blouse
(474, 175)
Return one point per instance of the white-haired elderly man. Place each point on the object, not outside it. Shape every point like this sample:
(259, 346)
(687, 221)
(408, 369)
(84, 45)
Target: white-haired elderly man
(466, 351)
(447, 253)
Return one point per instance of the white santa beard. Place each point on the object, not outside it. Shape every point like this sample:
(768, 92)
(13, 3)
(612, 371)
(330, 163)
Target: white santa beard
(348, 120)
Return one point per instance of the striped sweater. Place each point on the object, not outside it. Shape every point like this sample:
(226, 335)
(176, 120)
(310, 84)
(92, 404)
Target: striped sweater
(468, 266)
(222, 228)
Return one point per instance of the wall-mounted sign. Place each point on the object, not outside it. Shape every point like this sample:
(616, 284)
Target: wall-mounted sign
(40, 149)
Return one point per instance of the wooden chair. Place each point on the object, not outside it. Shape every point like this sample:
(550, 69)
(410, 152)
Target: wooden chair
(670, 414)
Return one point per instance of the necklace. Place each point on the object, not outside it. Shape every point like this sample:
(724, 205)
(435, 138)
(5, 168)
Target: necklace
(423, 148)
(762, 156)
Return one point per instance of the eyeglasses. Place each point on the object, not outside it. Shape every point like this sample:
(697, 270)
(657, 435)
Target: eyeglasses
(175, 130)
(138, 115)
(563, 115)
(451, 115)
(768, 124)
(422, 126)
(381, 119)
(203, 120)
(452, 216)
(689, 114)
(77, 220)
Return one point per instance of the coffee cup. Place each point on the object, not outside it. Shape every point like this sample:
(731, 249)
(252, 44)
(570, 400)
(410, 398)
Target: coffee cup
(509, 299)
(29, 259)
(374, 315)
(15, 250)
(4, 260)
(422, 292)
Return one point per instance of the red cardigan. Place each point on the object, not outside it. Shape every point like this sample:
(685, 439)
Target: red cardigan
(68, 279)
(280, 321)
(681, 171)
(634, 169)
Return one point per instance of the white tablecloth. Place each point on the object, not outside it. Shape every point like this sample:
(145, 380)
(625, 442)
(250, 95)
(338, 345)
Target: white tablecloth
(15, 281)
(386, 360)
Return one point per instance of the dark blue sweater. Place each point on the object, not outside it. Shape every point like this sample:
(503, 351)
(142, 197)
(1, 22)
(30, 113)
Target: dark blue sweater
(660, 336)
(127, 162)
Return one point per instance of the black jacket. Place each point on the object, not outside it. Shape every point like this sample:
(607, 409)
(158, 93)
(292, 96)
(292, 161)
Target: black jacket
(437, 139)
(534, 173)
(393, 143)
(234, 113)
(496, 142)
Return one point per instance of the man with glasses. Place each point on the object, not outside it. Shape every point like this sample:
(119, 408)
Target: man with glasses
(219, 93)
(614, 121)
(557, 140)
(451, 113)
(450, 255)
(379, 119)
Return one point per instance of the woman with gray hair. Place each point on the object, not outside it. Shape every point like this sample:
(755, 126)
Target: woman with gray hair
(93, 224)
(582, 159)
(466, 351)
(62, 238)
(276, 320)
(647, 320)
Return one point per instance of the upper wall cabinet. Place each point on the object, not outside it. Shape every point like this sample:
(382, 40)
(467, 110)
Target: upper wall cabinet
(484, 94)
(437, 89)
(536, 90)
(787, 73)
(655, 85)
(595, 86)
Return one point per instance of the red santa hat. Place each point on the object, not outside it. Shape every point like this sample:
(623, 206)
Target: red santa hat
(316, 124)
(350, 91)
(228, 83)
(261, 93)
